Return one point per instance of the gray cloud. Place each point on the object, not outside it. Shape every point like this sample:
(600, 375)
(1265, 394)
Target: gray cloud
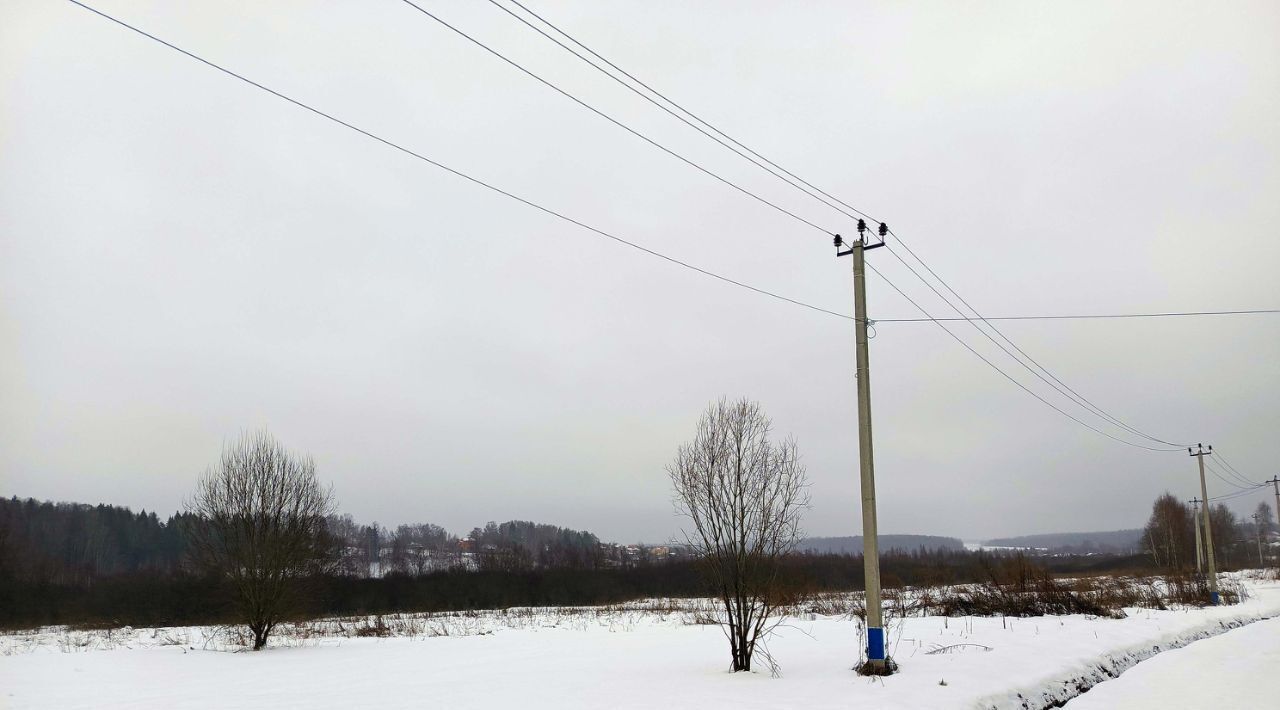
(183, 257)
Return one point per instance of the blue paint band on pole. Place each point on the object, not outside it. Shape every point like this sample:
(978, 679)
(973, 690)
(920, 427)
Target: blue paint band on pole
(875, 644)
(1215, 598)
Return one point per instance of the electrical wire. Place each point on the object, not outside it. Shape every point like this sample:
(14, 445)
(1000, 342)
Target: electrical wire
(1052, 380)
(1229, 467)
(1217, 466)
(1009, 377)
(1222, 478)
(731, 145)
(1061, 386)
(590, 228)
(1233, 496)
(1087, 316)
(1069, 391)
(1224, 475)
(688, 113)
(615, 121)
(458, 173)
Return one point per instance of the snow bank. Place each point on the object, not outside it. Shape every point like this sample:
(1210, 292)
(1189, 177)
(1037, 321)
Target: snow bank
(1233, 670)
(1055, 689)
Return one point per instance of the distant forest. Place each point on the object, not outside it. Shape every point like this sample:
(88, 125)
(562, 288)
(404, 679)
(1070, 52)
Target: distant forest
(71, 563)
(1113, 541)
(75, 544)
(853, 545)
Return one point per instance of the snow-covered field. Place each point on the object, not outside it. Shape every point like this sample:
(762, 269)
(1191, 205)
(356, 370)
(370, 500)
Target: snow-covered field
(636, 656)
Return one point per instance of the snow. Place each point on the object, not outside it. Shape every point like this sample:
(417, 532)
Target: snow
(1233, 670)
(978, 547)
(636, 656)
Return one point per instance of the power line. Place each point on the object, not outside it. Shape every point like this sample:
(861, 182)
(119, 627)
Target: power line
(1009, 377)
(1065, 389)
(1232, 484)
(1233, 496)
(1073, 394)
(615, 121)
(583, 225)
(1242, 482)
(458, 173)
(1056, 383)
(732, 145)
(688, 113)
(1229, 467)
(1052, 380)
(1085, 316)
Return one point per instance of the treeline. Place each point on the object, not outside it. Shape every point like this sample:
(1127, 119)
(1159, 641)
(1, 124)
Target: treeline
(373, 550)
(524, 545)
(1106, 542)
(74, 544)
(153, 599)
(81, 564)
(1170, 536)
(853, 545)
(71, 562)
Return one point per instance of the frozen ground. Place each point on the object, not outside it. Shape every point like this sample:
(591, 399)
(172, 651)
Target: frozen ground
(1233, 670)
(616, 658)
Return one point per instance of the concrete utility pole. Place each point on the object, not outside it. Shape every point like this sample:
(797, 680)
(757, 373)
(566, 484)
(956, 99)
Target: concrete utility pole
(1275, 481)
(1199, 455)
(1257, 531)
(877, 660)
(1195, 519)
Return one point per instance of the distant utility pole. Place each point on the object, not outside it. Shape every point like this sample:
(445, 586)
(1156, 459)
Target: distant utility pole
(1257, 529)
(1199, 455)
(1195, 519)
(1275, 481)
(876, 657)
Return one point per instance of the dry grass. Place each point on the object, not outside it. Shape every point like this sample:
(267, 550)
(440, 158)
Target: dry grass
(1012, 589)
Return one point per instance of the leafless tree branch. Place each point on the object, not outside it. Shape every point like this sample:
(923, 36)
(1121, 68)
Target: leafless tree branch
(743, 495)
(259, 522)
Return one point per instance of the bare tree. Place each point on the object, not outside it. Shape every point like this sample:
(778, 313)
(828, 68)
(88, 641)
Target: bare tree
(744, 495)
(1169, 534)
(345, 538)
(1226, 534)
(260, 523)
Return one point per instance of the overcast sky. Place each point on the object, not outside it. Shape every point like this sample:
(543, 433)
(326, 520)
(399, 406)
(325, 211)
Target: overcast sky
(183, 257)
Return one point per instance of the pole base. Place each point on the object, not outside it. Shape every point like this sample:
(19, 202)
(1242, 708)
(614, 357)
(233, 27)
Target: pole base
(1214, 598)
(880, 666)
(878, 661)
